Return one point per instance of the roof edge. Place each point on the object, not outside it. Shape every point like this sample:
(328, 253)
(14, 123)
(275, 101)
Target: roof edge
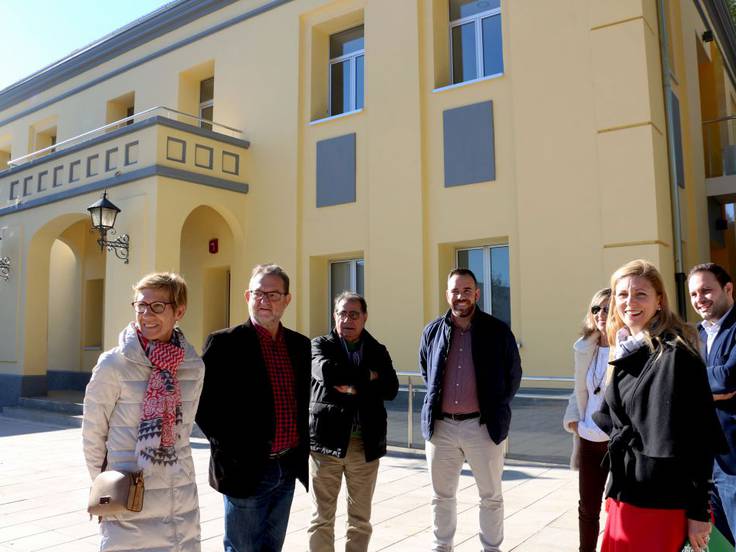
(136, 33)
(725, 30)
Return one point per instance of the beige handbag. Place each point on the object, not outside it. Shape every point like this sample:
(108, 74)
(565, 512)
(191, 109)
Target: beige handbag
(114, 492)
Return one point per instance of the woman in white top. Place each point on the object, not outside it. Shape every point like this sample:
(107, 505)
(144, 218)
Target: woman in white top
(589, 442)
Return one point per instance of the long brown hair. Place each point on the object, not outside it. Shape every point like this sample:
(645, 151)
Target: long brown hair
(589, 325)
(664, 324)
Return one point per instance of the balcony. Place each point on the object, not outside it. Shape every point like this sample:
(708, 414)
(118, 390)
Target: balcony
(154, 142)
(719, 139)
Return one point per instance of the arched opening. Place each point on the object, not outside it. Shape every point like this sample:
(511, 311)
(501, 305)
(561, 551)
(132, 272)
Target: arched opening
(206, 262)
(64, 306)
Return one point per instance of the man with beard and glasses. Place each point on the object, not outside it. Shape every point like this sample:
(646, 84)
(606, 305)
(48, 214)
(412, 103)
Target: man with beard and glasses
(711, 295)
(470, 363)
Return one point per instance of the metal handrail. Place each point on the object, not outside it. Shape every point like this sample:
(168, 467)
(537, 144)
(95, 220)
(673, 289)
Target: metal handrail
(410, 398)
(719, 120)
(147, 112)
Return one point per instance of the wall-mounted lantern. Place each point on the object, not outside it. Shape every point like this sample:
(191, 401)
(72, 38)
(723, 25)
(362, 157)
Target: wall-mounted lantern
(103, 213)
(4, 267)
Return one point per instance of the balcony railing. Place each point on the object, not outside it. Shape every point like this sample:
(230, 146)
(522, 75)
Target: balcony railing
(536, 424)
(159, 110)
(154, 144)
(719, 139)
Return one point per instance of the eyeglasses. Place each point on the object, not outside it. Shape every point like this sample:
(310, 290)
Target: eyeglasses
(597, 308)
(157, 307)
(352, 315)
(272, 296)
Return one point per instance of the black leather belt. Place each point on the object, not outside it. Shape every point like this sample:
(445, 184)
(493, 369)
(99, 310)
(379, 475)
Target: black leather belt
(279, 454)
(460, 417)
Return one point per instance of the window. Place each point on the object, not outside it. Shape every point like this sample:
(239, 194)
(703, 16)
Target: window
(346, 275)
(4, 157)
(46, 139)
(491, 268)
(476, 48)
(195, 97)
(347, 61)
(120, 108)
(206, 101)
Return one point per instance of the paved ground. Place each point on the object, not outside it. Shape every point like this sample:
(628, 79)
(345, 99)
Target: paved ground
(44, 486)
(536, 433)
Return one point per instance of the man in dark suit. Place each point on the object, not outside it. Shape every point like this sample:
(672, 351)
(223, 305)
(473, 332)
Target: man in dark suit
(254, 411)
(711, 294)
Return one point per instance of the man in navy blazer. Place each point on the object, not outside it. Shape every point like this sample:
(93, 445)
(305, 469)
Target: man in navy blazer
(711, 295)
(471, 365)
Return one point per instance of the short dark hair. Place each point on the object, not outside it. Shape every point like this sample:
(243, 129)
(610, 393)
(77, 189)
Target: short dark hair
(271, 269)
(462, 272)
(351, 296)
(716, 270)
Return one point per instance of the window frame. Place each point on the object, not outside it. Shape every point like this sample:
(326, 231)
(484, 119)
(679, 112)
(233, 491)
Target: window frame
(206, 104)
(486, 278)
(353, 274)
(352, 58)
(477, 19)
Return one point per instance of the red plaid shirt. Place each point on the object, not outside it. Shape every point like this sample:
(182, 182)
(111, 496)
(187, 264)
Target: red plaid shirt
(281, 375)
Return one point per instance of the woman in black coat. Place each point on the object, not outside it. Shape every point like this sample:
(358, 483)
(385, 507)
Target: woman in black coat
(660, 417)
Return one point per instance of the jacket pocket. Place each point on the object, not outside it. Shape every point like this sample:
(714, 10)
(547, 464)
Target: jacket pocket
(329, 426)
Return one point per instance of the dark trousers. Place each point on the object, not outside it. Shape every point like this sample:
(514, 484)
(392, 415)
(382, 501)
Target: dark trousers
(258, 523)
(591, 481)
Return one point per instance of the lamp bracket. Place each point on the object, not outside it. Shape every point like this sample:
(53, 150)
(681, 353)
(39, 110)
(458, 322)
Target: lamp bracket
(5, 268)
(120, 246)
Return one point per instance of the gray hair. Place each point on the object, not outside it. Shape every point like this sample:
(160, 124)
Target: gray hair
(351, 296)
(271, 269)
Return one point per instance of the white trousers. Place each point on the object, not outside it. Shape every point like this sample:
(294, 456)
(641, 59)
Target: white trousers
(451, 444)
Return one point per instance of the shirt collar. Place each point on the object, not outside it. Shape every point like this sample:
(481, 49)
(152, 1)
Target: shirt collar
(714, 327)
(263, 332)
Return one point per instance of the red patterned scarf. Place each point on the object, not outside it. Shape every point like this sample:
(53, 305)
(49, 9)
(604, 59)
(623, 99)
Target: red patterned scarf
(161, 411)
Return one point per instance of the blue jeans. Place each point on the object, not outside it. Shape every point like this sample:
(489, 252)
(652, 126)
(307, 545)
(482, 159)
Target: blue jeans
(258, 523)
(724, 502)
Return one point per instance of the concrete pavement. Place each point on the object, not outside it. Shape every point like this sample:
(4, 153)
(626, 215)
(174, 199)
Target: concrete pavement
(44, 486)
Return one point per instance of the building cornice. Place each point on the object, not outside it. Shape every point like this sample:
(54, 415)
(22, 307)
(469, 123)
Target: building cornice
(723, 26)
(133, 176)
(128, 129)
(149, 27)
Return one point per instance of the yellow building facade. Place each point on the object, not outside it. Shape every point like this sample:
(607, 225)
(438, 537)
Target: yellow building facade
(364, 144)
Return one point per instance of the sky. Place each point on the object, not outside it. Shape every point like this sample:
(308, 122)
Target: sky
(36, 33)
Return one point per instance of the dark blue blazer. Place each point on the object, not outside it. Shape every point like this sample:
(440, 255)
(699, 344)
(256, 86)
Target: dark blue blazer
(721, 364)
(497, 370)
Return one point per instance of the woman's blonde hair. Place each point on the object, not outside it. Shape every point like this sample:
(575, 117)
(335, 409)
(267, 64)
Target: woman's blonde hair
(170, 281)
(589, 325)
(665, 324)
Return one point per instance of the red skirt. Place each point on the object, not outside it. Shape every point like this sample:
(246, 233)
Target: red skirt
(633, 529)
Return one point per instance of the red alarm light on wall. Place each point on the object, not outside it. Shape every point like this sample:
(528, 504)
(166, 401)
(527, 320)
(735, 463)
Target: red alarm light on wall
(214, 246)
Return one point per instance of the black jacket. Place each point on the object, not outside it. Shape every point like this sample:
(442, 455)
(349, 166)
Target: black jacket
(332, 412)
(236, 410)
(659, 413)
(497, 370)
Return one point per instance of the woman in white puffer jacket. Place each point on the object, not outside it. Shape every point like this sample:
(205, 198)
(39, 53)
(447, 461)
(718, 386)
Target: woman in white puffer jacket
(139, 409)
